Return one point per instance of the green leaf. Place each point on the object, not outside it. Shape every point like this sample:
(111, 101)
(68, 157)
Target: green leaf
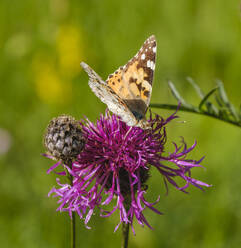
(196, 87)
(225, 111)
(233, 112)
(175, 92)
(206, 98)
(225, 100)
(219, 101)
(210, 107)
(222, 92)
(224, 114)
(177, 95)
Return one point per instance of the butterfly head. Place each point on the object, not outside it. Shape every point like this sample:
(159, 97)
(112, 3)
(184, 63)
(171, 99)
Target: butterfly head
(144, 124)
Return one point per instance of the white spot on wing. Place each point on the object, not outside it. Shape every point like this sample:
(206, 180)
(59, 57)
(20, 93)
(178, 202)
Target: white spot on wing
(147, 85)
(149, 63)
(154, 49)
(143, 56)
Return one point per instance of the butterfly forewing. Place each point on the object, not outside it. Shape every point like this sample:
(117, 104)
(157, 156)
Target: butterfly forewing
(133, 81)
(127, 91)
(108, 96)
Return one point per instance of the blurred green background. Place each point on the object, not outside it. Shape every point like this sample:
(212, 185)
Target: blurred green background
(41, 46)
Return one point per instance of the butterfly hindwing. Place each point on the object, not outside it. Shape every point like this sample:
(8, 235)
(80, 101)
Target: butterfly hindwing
(108, 96)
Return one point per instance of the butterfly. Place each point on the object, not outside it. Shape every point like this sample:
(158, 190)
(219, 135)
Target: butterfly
(127, 91)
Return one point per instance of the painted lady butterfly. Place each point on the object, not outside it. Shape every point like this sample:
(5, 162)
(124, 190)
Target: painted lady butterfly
(127, 91)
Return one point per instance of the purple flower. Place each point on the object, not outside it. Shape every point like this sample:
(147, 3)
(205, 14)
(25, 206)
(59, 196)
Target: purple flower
(114, 167)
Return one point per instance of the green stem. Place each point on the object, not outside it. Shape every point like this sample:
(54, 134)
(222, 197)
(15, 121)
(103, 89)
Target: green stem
(72, 220)
(125, 235)
(193, 110)
(126, 226)
(72, 230)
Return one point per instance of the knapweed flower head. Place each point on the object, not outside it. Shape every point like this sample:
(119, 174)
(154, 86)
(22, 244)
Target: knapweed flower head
(63, 138)
(114, 167)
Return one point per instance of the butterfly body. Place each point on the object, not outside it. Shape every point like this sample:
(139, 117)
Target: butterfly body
(127, 91)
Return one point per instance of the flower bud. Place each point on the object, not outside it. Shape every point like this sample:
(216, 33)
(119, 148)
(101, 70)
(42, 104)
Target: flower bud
(63, 138)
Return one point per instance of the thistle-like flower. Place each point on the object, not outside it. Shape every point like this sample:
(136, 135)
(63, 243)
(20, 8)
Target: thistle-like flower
(63, 139)
(114, 166)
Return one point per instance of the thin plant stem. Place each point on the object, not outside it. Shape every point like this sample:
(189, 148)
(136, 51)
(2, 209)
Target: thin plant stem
(193, 110)
(125, 235)
(72, 230)
(72, 220)
(126, 226)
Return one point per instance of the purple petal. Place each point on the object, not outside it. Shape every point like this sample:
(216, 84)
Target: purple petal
(53, 167)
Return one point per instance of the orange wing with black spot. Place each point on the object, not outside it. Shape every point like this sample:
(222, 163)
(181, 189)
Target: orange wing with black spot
(127, 91)
(109, 97)
(133, 81)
